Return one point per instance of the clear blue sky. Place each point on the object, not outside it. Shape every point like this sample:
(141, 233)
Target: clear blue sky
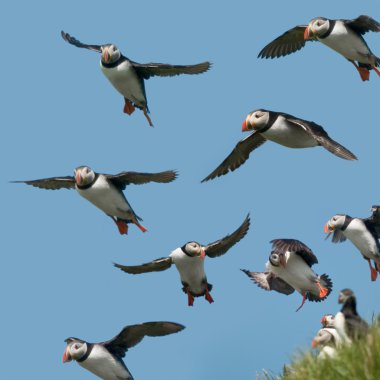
(59, 112)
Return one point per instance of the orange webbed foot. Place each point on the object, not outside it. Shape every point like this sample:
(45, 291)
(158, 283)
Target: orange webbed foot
(208, 297)
(128, 107)
(372, 270)
(147, 117)
(142, 228)
(377, 71)
(322, 291)
(190, 298)
(122, 226)
(364, 73)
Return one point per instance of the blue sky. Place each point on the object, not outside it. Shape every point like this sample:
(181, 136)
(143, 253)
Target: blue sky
(59, 112)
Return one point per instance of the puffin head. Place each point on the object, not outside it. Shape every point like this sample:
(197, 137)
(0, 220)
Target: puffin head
(317, 27)
(277, 259)
(335, 223)
(84, 175)
(327, 320)
(322, 338)
(194, 249)
(344, 295)
(110, 53)
(255, 120)
(75, 349)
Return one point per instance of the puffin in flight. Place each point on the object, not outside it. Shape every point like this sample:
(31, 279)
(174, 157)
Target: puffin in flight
(189, 260)
(363, 233)
(104, 359)
(283, 129)
(105, 191)
(343, 36)
(127, 76)
(289, 269)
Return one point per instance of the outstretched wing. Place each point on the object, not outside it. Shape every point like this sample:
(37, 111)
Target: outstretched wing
(123, 179)
(282, 246)
(147, 70)
(153, 266)
(321, 136)
(289, 42)
(131, 335)
(219, 247)
(373, 222)
(238, 156)
(73, 41)
(363, 24)
(53, 183)
(269, 281)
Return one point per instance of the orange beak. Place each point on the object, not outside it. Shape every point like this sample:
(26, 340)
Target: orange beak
(244, 126)
(66, 358)
(306, 33)
(323, 320)
(313, 344)
(327, 229)
(78, 177)
(203, 254)
(105, 55)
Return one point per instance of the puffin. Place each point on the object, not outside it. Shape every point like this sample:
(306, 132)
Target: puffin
(104, 359)
(105, 191)
(343, 36)
(363, 233)
(189, 261)
(327, 321)
(289, 269)
(329, 339)
(127, 76)
(347, 321)
(283, 129)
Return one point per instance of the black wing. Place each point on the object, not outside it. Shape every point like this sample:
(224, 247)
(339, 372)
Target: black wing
(53, 183)
(238, 156)
(153, 266)
(321, 136)
(363, 24)
(219, 247)
(281, 246)
(131, 335)
(147, 70)
(73, 41)
(123, 179)
(373, 222)
(289, 42)
(269, 281)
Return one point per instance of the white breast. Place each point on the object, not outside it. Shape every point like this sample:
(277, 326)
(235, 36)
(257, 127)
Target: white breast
(105, 196)
(290, 135)
(327, 352)
(104, 365)
(296, 273)
(346, 42)
(191, 270)
(362, 239)
(124, 78)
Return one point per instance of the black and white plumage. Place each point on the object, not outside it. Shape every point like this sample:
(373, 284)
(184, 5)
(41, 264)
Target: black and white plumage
(127, 76)
(328, 339)
(104, 359)
(283, 129)
(189, 261)
(347, 321)
(289, 269)
(343, 36)
(363, 233)
(105, 191)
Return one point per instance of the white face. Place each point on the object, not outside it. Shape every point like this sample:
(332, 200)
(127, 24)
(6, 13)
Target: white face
(327, 320)
(318, 26)
(275, 259)
(194, 249)
(336, 222)
(110, 54)
(75, 350)
(257, 120)
(84, 175)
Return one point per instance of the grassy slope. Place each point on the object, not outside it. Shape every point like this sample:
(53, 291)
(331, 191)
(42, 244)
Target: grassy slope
(356, 362)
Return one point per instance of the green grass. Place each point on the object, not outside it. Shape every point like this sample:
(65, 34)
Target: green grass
(360, 361)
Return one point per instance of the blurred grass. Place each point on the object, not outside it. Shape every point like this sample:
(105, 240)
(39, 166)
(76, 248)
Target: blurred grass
(360, 361)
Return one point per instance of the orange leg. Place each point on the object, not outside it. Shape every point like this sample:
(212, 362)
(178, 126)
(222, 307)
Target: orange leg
(190, 298)
(377, 71)
(128, 107)
(377, 265)
(142, 228)
(208, 296)
(122, 226)
(147, 117)
(322, 291)
(373, 271)
(303, 300)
